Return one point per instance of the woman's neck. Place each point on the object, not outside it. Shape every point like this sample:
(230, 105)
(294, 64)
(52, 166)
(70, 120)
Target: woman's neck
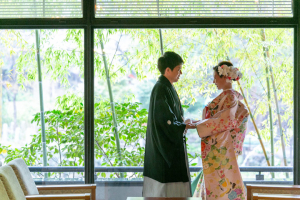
(227, 87)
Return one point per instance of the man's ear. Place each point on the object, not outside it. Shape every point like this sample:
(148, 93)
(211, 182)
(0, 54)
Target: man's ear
(167, 70)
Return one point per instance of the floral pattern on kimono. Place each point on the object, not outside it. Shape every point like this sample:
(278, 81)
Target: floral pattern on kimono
(222, 135)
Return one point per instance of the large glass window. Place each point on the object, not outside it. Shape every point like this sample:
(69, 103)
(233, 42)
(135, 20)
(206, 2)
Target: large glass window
(42, 100)
(42, 75)
(125, 72)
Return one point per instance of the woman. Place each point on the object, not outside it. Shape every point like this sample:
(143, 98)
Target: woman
(222, 133)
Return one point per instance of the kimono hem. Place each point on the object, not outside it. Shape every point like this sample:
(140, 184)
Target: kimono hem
(153, 188)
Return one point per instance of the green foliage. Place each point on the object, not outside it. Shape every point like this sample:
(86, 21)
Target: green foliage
(132, 131)
(57, 58)
(65, 135)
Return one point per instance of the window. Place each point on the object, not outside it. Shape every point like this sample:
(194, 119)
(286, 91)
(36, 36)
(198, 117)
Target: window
(59, 96)
(130, 69)
(127, 62)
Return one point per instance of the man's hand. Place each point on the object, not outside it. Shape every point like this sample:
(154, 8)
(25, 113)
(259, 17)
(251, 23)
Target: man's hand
(188, 121)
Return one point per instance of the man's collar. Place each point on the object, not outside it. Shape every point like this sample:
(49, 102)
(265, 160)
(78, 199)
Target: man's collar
(165, 81)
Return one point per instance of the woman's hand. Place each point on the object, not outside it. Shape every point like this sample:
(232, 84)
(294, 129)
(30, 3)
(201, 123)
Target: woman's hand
(190, 121)
(190, 126)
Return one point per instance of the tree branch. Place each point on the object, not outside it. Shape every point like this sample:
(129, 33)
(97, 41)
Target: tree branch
(115, 52)
(105, 155)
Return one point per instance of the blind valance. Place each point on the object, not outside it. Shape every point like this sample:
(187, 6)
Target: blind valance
(193, 8)
(40, 9)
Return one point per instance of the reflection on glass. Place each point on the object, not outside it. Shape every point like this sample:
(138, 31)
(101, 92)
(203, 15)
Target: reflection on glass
(61, 55)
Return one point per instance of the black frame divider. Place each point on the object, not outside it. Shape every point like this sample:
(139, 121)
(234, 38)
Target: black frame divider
(296, 96)
(89, 93)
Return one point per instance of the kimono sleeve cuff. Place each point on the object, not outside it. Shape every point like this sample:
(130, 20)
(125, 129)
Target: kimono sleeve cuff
(184, 128)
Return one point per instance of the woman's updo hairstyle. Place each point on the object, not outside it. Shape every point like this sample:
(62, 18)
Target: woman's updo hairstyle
(169, 59)
(234, 71)
(220, 64)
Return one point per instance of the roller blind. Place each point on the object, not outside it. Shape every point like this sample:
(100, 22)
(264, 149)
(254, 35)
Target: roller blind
(192, 8)
(40, 9)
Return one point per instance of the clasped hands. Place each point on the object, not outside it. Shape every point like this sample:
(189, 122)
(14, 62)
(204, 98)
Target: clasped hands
(190, 124)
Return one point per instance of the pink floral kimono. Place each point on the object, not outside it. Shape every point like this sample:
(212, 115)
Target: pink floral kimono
(222, 132)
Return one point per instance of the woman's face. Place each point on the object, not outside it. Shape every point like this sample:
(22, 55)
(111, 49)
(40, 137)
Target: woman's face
(218, 81)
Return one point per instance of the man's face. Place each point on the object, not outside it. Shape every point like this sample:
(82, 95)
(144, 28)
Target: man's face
(175, 74)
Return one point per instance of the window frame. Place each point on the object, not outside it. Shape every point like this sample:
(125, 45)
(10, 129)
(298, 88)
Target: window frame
(89, 23)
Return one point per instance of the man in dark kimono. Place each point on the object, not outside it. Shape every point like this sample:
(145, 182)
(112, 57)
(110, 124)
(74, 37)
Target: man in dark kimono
(166, 169)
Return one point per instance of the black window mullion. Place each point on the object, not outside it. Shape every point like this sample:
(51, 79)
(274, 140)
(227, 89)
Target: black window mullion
(89, 92)
(39, 23)
(145, 22)
(296, 108)
(296, 173)
(194, 22)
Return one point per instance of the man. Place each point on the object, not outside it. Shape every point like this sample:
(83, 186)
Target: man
(166, 169)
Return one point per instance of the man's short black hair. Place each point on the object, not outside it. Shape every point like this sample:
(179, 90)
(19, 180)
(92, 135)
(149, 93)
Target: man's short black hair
(169, 59)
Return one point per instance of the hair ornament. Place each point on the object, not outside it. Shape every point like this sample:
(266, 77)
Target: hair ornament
(232, 73)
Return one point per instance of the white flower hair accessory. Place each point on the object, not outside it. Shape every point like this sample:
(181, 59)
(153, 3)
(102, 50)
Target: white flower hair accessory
(232, 73)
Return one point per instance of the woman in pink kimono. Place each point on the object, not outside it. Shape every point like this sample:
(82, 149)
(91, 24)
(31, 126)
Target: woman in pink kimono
(222, 133)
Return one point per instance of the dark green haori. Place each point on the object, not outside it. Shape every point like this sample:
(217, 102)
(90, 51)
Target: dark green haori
(165, 153)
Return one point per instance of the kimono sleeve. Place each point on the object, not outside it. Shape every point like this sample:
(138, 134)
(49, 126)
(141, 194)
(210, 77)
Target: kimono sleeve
(222, 120)
(170, 129)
